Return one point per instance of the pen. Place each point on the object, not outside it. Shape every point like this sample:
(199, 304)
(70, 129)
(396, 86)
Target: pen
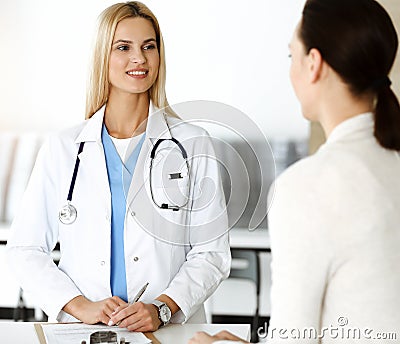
(139, 294)
(137, 297)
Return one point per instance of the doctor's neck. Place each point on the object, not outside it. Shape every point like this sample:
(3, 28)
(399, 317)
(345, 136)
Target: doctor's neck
(126, 114)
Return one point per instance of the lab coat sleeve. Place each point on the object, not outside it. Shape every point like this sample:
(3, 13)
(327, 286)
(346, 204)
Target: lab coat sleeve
(34, 234)
(300, 257)
(208, 259)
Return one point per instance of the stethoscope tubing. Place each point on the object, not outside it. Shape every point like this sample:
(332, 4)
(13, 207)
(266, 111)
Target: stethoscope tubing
(152, 156)
(75, 173)
(173, 139)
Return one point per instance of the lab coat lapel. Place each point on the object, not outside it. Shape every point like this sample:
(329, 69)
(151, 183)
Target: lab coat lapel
(157, 128)
(92, 129)
(140, 175)
(92, 157)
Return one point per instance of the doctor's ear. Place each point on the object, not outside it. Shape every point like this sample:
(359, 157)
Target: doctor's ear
(315, 64)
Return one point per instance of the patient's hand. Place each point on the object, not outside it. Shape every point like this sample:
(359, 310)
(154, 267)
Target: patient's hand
(204, 338)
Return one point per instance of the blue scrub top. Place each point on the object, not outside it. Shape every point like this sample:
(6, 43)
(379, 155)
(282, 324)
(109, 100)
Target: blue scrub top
(119, 178)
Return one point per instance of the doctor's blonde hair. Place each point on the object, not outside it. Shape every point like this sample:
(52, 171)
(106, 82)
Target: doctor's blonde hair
(98, 83)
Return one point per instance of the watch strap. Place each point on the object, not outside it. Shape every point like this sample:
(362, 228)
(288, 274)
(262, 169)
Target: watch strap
(159, 305)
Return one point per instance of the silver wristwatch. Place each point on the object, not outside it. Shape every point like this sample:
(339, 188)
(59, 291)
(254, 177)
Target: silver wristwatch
(164, 313)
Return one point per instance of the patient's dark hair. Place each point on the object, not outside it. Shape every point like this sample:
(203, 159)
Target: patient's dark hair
(358, 40)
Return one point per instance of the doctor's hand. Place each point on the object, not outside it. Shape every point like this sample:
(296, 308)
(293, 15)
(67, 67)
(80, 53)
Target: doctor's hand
(139, 317)
(91, 312)
(204, 338)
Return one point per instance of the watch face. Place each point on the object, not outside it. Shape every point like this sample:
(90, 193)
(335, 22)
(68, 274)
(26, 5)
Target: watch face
(165, 314)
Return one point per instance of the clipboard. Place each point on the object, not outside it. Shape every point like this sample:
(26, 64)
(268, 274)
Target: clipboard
(152, 337)
(40, 333)
(42, 338)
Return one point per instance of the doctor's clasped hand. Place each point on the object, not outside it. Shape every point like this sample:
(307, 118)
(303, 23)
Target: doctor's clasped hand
(91, 312)
(136, 317)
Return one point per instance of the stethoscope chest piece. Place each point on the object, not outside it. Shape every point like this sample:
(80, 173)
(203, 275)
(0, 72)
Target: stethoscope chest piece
(67, 214)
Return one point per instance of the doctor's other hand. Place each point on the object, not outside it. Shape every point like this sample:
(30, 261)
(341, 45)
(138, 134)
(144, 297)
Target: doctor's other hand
(204, 338)
(91, 312)
(139, 317)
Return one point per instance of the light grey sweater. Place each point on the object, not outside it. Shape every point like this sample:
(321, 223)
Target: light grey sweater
(335, 238)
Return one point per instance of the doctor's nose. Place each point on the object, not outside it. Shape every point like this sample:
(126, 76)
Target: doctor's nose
(137, 57)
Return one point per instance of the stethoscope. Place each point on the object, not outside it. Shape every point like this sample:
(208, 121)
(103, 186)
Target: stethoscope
(68, 213)
(172, 176)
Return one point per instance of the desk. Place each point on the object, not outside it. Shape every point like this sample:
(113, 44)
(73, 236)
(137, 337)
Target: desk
(244, 239)
(4, 233)
(24, 333)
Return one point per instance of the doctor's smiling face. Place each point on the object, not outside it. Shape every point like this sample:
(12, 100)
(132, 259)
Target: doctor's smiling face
(134, 58)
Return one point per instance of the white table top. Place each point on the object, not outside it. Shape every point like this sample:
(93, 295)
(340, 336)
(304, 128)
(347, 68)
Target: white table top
(239, 238)
(182, 333)
(23, 333)
(244, 238)
(4, 231)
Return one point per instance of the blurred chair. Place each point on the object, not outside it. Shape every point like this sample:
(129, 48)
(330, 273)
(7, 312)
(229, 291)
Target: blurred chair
(18, 153)
(246, 265)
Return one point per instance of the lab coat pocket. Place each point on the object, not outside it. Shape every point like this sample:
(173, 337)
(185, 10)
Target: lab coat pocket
(169, 170)
(176, 196)
(172, 216)
(67, 236)
(67, 232)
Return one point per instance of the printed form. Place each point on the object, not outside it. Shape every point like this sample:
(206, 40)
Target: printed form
(77, 332)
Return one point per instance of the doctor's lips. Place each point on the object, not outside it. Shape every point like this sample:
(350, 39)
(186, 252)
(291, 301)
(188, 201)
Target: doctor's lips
(138, 73)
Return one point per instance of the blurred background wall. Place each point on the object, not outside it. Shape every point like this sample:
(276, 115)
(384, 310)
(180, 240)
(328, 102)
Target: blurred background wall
(227, 51)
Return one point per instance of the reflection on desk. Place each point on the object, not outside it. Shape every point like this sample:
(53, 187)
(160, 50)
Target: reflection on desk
(258, 240)
(24, 332)
(4, 233)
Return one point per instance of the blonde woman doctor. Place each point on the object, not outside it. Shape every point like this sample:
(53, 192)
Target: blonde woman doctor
(133, 195)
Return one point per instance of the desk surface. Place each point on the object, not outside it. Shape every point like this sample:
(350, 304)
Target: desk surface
(245, 239)
(4, 230)
(23, 333)
(239, 238)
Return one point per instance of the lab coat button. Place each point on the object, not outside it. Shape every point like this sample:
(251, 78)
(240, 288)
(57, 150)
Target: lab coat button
(135, 259)
(102, 263)
(107, 217)
(133, 213)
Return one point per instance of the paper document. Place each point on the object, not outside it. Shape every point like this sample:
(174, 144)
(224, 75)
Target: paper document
(77, 332)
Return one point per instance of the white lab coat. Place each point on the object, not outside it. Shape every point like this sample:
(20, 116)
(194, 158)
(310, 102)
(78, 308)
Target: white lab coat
(183, 254)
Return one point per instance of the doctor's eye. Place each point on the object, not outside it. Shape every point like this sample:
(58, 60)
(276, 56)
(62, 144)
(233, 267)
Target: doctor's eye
(149, 47)
(123, 47)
